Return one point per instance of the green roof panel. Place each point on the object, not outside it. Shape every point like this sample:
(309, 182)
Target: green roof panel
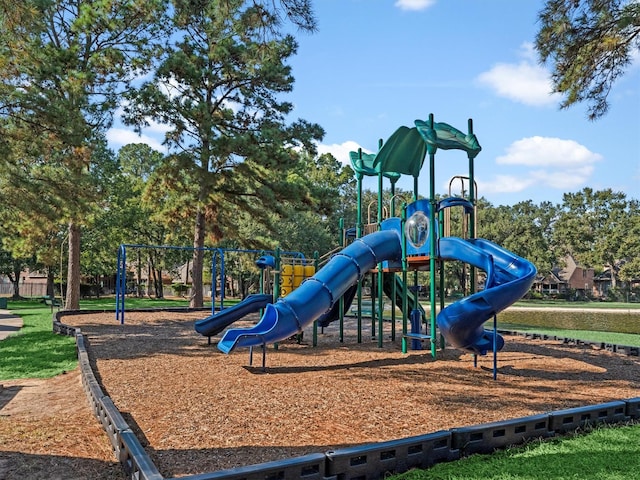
(443, 135)
(403, 153)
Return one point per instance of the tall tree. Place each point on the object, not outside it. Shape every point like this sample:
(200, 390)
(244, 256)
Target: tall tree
(591, 226)
(630, 244)
(219, 88)
(63, 65)
(590, 43)
(524, 228)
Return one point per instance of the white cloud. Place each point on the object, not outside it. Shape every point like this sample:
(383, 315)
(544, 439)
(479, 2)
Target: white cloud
(546, 163)
(118, 137)
(548, 151)
(341, 150)
(414, 4)
(525, 82)
(155, 128)
(504, 184)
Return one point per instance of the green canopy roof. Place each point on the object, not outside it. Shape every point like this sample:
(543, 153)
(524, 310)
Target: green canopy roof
(442, 135)
(363, 164)
(403, 153)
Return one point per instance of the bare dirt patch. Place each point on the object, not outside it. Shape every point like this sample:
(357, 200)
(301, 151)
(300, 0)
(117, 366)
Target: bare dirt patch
(197, 410)
(47, 430)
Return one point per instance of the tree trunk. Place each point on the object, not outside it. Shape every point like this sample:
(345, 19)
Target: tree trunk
(51, 290)
(614, 279)
(150, 278)
(73, 269)
(15, 280)
(156, 274)
(196, 299)
(159, 284)
(139, 293)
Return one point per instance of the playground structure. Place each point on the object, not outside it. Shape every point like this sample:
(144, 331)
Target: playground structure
(296, 266)
(410, 243)
(279, 275)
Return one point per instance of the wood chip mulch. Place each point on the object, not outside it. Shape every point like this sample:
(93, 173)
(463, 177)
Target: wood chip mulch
(197, 410)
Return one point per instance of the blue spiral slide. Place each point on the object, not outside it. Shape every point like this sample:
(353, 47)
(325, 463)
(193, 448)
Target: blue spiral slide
(509, 277)
(316, 295)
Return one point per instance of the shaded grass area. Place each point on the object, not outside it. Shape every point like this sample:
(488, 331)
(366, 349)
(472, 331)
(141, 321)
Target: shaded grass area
(35, 351)
(603, 453)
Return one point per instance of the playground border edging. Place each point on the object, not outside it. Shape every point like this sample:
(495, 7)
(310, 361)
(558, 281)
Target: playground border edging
(628, 350)
(363, 462)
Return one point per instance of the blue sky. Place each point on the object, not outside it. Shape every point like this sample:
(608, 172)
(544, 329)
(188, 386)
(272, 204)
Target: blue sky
(375, 65)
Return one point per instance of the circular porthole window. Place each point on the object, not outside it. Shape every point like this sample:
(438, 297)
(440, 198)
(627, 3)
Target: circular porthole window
(417, 229)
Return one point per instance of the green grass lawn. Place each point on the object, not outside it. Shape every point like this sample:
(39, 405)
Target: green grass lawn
(603, 454)
(35, 351)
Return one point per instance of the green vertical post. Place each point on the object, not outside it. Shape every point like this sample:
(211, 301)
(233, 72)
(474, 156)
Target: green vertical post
(392, 213)
(432, 243)
(405, 302)
(358, 235)
(441, 268)
(472, 215)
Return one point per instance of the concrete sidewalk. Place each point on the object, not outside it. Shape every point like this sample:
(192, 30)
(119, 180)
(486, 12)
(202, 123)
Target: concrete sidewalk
(9, 324)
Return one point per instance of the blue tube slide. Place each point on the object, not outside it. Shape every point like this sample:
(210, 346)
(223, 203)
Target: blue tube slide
(317, 294)
(509, 277)
(214, 324)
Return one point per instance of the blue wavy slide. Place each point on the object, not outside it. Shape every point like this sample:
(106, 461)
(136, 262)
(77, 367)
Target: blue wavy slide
(317, 294)
(214, 324)
(509, 277)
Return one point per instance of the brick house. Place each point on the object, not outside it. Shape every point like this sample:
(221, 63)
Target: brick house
(568, 279)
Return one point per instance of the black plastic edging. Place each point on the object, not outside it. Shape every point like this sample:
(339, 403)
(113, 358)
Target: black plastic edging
(395, 456)
(306, 467)
(485, 438)
(564, 421)
(628, 350)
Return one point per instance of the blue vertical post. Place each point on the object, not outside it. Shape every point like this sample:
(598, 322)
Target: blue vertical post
(118, 273)
(341, 306)
(214, 274)
(223, 280)
(358, 235)
(416, 327)
(315, 323)
(121, 283)
(495, 347)
(214, 281)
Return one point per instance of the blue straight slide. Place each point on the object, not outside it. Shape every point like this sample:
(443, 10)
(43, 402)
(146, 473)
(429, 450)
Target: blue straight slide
(318, 294)
(509, 278)
(214, 324)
